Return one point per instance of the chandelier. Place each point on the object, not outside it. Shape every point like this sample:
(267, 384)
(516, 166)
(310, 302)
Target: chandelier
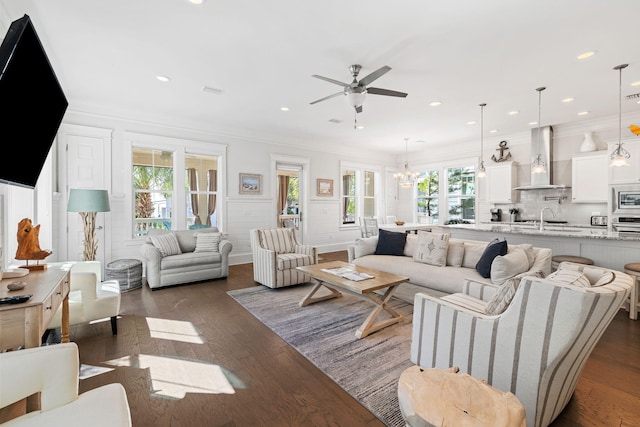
(482, 172)
(406, 179)
(538, 166)
(619, 155)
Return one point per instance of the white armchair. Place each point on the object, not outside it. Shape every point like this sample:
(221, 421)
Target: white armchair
(276, 254)
(53, 372)
(536, 348)
(89, 298)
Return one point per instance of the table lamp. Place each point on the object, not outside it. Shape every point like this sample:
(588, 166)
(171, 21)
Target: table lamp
(88, 203)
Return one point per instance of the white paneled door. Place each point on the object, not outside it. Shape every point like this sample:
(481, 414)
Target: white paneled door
(88, 159)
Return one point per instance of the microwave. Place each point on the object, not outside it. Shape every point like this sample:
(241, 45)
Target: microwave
(626, 199)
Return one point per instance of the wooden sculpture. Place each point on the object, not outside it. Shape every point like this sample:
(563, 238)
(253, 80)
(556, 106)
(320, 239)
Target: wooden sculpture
(29, 245)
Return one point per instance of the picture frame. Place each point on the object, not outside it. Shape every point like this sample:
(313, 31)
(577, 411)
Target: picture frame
(325, 187)
(250, 183)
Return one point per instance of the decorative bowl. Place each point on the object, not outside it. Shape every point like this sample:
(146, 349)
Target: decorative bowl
(399, 222)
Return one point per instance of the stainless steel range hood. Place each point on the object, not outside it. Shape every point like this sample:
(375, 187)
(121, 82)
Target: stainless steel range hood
(544, 147)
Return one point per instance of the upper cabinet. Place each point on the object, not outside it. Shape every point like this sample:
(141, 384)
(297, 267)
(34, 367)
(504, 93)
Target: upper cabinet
(501, 179)
(626, 174)
(589, 177)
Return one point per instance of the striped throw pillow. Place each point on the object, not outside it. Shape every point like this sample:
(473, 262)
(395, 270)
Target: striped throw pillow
(571, 277)
(167, 244)
(280, 240)
(208, 242)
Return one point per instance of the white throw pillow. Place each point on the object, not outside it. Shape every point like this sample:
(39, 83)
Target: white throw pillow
(455, 254)
(208, 242)
(432, 248)
(506, 266)
(365, 246)
(528, 249)
(410, 245)
(167, 244)
(598, 276)
(472, 254)
(570, 277)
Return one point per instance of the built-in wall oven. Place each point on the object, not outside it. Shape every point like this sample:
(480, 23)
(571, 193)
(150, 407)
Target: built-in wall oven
(625, 208)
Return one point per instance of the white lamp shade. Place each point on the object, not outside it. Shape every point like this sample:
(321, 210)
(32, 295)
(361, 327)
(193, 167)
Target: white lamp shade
(81, 200)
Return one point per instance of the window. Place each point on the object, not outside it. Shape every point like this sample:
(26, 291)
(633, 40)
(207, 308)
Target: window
(153, 189)
(458, 197)
(358, 193)
(201, 182)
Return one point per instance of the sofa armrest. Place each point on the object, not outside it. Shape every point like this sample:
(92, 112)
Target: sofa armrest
(152, 259)
(264, 266)
(312, 251)
(479, 289)
(351, 252)
(225, 248)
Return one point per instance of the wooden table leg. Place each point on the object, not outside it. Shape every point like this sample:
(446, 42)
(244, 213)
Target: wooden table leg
(64, 329)
(308, 299)
(369, 326)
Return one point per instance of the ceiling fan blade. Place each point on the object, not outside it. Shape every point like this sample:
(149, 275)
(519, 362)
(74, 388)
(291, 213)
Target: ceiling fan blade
(327, 79)
(327, 97)
(373, 76)
(359, 109)
(387, 92)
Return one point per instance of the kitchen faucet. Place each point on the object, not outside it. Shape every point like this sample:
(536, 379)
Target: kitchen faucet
(542, 216)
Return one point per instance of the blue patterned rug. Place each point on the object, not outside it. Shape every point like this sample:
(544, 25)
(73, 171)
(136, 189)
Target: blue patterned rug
(368, 369)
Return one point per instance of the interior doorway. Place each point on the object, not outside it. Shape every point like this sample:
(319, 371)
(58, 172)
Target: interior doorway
(290, 193)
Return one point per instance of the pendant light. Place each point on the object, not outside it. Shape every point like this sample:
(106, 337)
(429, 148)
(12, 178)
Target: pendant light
(538, 166)
(481, 171)
(619, 155)
(406, 179)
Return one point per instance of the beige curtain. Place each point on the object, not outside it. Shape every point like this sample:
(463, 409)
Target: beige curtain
(283, 191)
(211, 199)
(193, 186)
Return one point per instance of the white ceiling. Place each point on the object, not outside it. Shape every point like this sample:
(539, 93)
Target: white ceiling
(261, 55)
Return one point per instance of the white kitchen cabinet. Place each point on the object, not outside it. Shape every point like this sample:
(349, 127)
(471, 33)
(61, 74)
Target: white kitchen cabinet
(589, 177)
(501, 179)
(626, 174)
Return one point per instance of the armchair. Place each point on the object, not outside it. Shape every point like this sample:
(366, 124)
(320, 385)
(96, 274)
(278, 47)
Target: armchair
(276, 254)
(536, 348)
(53, 372)
(89, 298)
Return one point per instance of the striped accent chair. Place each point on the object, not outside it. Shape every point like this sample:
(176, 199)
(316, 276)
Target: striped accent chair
(276, 254)
(536, 348)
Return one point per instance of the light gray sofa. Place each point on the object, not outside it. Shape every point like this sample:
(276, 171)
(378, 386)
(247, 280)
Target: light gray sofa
(431, 279)
(187, 267)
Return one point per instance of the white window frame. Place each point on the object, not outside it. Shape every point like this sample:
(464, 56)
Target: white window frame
(360, 168)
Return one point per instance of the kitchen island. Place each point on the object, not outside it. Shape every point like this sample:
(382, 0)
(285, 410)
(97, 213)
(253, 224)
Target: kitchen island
(606, 248)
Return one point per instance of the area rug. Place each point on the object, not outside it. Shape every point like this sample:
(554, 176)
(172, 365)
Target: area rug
(368, 369)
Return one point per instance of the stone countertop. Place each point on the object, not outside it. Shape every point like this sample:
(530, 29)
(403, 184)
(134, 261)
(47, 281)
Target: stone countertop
(555, 230)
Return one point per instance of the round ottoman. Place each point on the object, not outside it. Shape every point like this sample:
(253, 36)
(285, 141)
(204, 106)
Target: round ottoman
(128, 273)
(557, 259)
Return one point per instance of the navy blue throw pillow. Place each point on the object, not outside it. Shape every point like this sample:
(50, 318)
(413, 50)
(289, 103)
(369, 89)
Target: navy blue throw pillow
(493, 249)
(390, 243)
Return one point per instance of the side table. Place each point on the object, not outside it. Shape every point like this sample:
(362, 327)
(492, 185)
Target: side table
(128, 273)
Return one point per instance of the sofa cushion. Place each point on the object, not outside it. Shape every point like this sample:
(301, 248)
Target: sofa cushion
(472, 254)
(410, 245)
(506, 266)
(279, 240)
(527, 248)
(466, 301)
(390, 243)
(187, 238)
(493, 249)
(570, 277)
(191, 259)
(207, 242)
(293, 260)
(455, 254)
(432, 248)
(167, 244)
(365, 246)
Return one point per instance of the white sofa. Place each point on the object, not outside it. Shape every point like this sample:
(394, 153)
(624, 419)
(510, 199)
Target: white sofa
(190, 265)
(431, 279)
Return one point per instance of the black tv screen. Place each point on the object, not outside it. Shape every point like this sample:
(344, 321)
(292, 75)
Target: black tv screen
(32, 105)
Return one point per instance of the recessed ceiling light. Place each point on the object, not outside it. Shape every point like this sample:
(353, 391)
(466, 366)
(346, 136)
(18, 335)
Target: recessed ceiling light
(163, 78)
(435, 103)
(635, 83)
(284, 108)
(471, 122)
(567, 100)
(513, 113)
(583, 113)
(360, 127)
(493, 131)
(585, 55)
(532, 123)
(196, 1)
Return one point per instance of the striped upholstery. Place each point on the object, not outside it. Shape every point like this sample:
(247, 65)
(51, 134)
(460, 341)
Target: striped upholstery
(536, 349)
(274, 269)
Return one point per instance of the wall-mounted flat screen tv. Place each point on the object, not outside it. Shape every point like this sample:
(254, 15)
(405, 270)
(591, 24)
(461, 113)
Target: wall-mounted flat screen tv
(32, 105)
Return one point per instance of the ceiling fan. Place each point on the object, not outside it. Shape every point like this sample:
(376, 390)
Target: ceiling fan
(356, 91)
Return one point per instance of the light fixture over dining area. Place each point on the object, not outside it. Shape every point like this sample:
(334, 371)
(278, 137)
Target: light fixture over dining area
(407, 178)
(620, 156)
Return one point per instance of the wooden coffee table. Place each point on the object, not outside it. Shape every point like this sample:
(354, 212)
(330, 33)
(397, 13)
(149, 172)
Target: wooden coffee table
(363, 288)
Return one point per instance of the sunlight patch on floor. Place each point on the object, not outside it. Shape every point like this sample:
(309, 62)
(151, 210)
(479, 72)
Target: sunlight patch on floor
(174, 378)
(175, 330)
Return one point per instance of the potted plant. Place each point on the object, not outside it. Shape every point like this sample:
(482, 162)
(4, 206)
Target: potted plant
(514, 214)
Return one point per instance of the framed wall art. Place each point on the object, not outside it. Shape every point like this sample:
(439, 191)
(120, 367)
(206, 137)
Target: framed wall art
(325, 187)
(250, 183)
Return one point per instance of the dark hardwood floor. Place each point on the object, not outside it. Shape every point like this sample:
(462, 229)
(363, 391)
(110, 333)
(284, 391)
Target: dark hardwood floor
(172, 341)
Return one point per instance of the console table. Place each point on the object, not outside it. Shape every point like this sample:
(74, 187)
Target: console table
(22, 325)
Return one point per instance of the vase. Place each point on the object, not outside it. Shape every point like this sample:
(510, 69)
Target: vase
(589, 143)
